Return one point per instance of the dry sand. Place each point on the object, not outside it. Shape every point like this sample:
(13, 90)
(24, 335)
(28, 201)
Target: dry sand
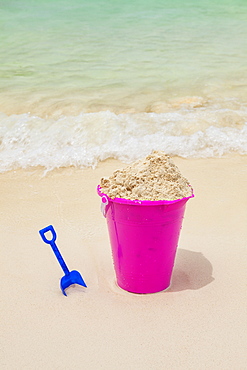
(154, 177)
(199, 323)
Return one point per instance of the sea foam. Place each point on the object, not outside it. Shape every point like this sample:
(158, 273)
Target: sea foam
(88, 138)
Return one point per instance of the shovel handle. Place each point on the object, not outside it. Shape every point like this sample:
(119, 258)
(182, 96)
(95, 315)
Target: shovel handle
(54, 247)
(45, 230)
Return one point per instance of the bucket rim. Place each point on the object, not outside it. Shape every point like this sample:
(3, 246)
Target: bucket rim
(142, 202)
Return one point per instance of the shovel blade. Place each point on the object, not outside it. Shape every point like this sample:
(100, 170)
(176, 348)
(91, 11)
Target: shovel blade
(74, 277)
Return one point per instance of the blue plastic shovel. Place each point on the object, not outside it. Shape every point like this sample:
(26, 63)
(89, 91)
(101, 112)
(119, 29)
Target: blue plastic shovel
(70, 277)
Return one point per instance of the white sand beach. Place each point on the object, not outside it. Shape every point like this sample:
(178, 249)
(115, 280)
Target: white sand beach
(199, 323)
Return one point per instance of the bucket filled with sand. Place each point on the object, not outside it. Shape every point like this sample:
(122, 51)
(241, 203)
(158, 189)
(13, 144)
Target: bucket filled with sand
(144, 205)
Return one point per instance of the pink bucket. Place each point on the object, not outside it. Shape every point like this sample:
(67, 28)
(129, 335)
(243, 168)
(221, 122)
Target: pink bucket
(144, 237)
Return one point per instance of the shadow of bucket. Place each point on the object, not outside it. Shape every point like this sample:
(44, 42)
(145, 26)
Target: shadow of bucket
(144, 237)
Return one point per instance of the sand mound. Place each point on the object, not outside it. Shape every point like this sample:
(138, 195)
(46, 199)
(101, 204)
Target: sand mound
(153, 178)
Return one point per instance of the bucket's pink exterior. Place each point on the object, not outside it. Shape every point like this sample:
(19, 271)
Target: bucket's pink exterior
(144, 237)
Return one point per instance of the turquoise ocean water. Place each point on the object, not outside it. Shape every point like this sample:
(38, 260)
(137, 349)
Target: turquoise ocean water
(82, 81)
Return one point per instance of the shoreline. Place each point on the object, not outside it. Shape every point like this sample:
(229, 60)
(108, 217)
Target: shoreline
(131, 102)
(199, 322)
